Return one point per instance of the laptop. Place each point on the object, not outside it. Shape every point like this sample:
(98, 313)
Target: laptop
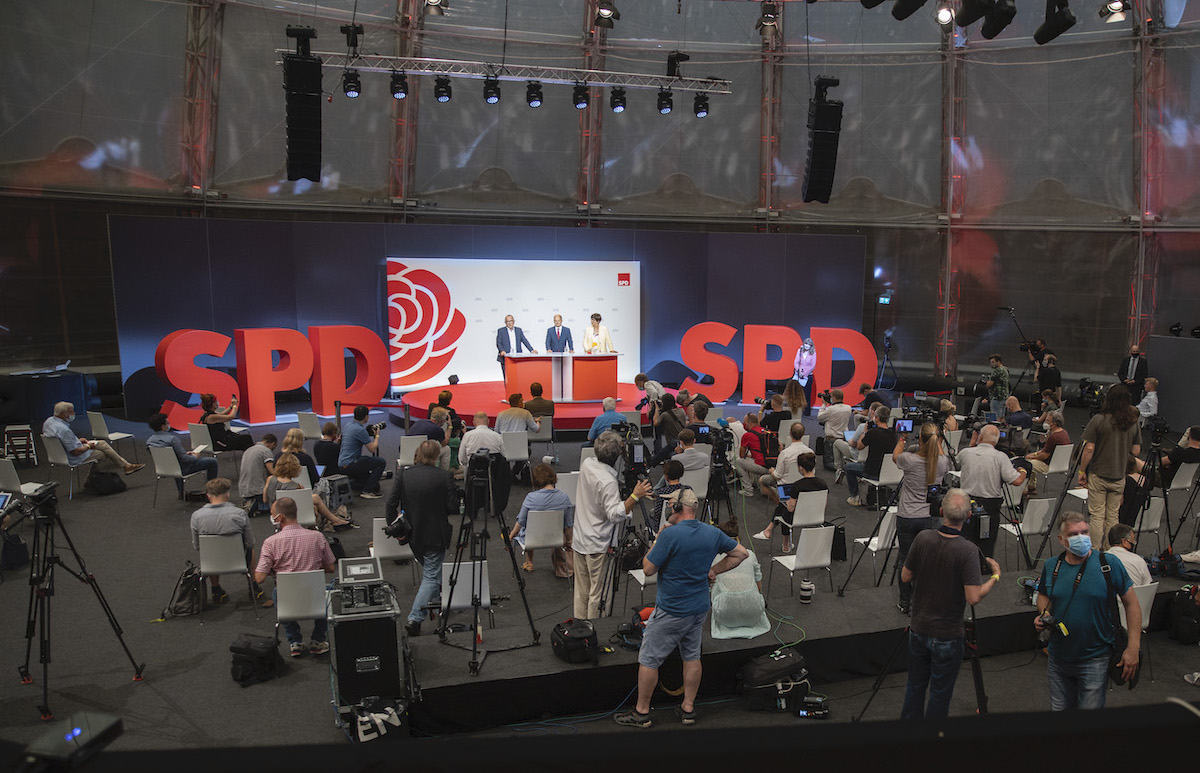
(849, 434)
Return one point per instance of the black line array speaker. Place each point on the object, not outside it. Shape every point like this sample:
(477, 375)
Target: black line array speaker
(302, 85)
(824, 129)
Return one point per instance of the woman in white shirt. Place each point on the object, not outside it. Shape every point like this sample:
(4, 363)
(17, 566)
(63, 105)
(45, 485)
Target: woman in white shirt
(596, 339)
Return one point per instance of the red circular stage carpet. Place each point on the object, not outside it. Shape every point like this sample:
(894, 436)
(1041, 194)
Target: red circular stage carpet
(489, 396)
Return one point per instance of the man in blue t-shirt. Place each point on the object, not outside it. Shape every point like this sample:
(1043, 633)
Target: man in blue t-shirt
(364, 472)
(682, 557)
(1073, 589)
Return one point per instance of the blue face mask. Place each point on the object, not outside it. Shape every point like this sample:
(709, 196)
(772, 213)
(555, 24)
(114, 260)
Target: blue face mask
(1079, 544)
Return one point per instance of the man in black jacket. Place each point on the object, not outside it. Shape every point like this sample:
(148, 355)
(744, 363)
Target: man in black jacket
(428, 497)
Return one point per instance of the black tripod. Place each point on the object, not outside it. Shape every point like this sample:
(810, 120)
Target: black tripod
(1051, 527)
(480, 497)
(627, 536)
(1025, 342)
(1015, 522)
(874, 533)
(43, 508)
(971, 645)
(718, 493)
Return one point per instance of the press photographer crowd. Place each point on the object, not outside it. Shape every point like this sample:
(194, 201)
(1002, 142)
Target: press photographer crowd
(667, 504)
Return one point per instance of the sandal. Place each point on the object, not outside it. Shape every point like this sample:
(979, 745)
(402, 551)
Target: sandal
(527, 566)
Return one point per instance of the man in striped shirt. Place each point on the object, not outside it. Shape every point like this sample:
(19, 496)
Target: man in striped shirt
(295, 549)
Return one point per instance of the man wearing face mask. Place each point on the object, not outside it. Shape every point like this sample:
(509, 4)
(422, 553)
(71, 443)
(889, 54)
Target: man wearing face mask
(1075, 588)
(189, 461)
(79, 450)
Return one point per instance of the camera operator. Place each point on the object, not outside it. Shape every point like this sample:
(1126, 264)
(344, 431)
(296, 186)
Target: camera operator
(877, 441)
(845, 450)
(1108, 441)
(924, 467)
(984, 470)
(699, 424)
(1039, 462)
(834, 416)
(598, 510)
(692, 403)
(996, 383)
(652, 400)
(771, 413)
(684, 452)
(1075, 591)
(1047, 375)
(364, 472)
(946, 571)
(428, 497)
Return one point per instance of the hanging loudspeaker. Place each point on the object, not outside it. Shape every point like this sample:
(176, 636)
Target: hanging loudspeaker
(302, 86)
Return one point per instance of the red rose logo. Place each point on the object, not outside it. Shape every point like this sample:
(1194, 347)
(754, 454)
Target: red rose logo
(423, 325)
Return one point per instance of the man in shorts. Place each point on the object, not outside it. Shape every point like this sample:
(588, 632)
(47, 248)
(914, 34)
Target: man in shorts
(682, 557)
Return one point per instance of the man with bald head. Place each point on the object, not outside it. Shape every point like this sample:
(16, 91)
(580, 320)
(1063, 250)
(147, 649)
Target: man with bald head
(985, 470)
(481, 437)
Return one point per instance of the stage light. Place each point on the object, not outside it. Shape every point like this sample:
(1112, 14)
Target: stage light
(491, 90)
(1196, 331)
(1115, 10)
(436, 7)
(768, 22)
(998, 17)
(441, 88)
(673, 61)
(1176, 329)
(700, 106)
(533, 94)
(453, 379)
(616, 100)
(351, 84)
(1059, 19)
(902, 9)
(665, 103)
(606, 14)
(580, 96)
(399, 85)
(944, 15)
(972, 11)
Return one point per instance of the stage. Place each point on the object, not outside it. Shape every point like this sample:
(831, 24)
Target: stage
(490, 396)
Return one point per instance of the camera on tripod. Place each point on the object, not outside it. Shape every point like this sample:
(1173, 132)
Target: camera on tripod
(1159, 428)
(634, 455)
(1091, 394)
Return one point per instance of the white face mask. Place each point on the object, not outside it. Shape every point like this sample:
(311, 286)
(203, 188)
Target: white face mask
(70, 417)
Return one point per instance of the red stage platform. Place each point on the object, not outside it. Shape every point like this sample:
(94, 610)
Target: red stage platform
(490, 396)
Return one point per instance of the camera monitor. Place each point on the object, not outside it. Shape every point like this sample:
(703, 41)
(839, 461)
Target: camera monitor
(5, 501)
(990, 417)
(904, 425)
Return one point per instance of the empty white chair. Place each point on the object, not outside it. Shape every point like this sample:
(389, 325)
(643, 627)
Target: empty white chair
(9, 481)
(889, 475)
(1151, 519)
(698, 481)
(1035, 521)
(408, 450)
(884, 540)
(953, 438)
(100, 431)
(306, 514)
(1184, 477)
(387, 548)
(224, 554)
(704, 448)
(814, 548)
(516, 446)
(1145, 595)
(57, 456)
(299, 596)
(569, 483)
(545, 433)
(471, 575)
(586, 452)
(633, 417)
(166, 465)
(310, 425)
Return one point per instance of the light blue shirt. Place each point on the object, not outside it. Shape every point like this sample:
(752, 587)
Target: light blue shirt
(353, 440)
(603, 422)
(56, 427)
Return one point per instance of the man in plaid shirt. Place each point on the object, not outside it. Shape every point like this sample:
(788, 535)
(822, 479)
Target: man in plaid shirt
(295, 549)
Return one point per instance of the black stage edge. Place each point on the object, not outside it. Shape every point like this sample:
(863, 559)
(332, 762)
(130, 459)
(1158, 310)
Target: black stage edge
(995, 742)
(480, 703)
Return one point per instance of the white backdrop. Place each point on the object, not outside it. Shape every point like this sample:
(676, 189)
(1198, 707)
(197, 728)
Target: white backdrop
(443, 313)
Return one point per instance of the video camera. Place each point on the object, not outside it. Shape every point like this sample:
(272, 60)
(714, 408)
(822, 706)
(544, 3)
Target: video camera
(1091, 395)
(1159, 428)
(634, 454)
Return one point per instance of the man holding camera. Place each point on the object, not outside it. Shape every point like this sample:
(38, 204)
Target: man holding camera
(364, 472)
(877, 441)
(945, 572)
(653, 399)
(428, 497)
(598, 510)
(985, 469)
(1076, 613)
(834, 416)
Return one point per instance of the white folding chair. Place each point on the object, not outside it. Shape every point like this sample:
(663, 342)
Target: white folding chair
(166, 465)
(516, 446)
(1035, 520)
(585, 453)
(633, 417)
(57, 456)
(470, 574)
(299, 596)
(1145, 595)
(100, 431)
(889, 475)
(1060, 462)
(387, 548)
(953, 438)
(543, 529)
(814, 549)
(304, 479)
(408, 450)
(10, 481)
(884, 540)
(785, 432)
(306, 511)
(545, 433)
(698, 481)
(568, 482)
(310, 425)
(1151, 519)
(810, 509)
(223, 554)
(1185, 476)
(200, 436)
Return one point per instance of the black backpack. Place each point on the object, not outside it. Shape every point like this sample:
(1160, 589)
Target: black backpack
(255, 659)
(104, 483)
(1185, 616)
(575, 641)
(188, 596)
(769, 443)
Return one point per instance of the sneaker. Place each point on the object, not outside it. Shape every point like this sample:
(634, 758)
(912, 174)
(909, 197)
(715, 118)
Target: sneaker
(686, 717)
(371, 495)
(841, 474)
(131, 469)
(297, 649)
(1192, 678)
(413, 628)
(318, 647)
(762, 535)
(386, 476)
(747, 492)
(904, 608)
(854, 502)
(219, 596)
(632, 718)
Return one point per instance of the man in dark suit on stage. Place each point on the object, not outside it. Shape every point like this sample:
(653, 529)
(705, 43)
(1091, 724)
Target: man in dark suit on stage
(509, 340)
(558, 338)
(1133, 372)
